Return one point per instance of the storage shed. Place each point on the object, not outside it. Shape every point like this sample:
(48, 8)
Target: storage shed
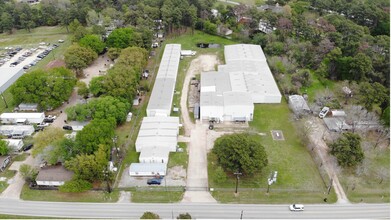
(298, 105)
(53, 176)
(15, 144)
(147, 169)
(15, 118)
(27, 107)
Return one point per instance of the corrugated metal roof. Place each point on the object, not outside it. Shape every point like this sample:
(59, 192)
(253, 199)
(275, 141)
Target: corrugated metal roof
(211, 99)
(218, 80)
(8, 75)
(243, 52)
(148, 167)
(22, 115)
(162, 94)
(237, 98)
(154, 152)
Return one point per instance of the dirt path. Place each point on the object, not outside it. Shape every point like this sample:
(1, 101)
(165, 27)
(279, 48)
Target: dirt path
(317, 138)
(197, 171)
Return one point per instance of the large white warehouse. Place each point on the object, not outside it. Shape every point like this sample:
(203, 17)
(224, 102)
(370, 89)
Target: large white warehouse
(229, 94)
(163, 90)
(8, 75)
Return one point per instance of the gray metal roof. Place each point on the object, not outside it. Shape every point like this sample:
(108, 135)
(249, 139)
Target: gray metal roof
(237, 98)
(243, 52)
(298, 104)
(148, 167)
(163, 90)
(154, 152)
(215, 81)
(211, 99)
(162, 94)
(8, 75)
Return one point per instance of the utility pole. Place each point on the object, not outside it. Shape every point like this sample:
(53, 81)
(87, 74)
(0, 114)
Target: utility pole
(241, 215)
(237, 180)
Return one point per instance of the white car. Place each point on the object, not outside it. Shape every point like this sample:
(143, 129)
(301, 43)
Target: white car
(324, 112)
(296, 207)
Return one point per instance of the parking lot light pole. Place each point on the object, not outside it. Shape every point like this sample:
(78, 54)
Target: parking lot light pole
(237, 180)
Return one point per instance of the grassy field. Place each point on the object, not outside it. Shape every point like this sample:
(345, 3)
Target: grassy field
(25, 39)
(317, 86)
(179, 158)
(298, 177)
(4, 216)
(372, 183)
(56, 196)
(156, 196)
(3, 186)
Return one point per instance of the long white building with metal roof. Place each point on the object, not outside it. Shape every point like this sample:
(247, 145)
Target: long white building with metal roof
(245, 79)
(161, 98)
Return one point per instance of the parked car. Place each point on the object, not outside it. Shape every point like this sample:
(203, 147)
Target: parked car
(296, 207)
(48, 120)
(27, 147)
(324, 112)
(154, 181)
(67, 127)
(60, 41)
(26, 67)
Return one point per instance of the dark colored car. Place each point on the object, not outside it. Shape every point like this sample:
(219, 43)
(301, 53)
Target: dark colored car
(49, 120)
(67, 127)
(154, 181)
(27, 147)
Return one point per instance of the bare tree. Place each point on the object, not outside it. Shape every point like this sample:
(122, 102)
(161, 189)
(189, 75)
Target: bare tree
(361, 120)
(383, 134)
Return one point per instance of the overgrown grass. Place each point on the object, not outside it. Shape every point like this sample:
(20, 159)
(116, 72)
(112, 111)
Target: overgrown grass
(156, 196)
(371, 182)
(179, 158)
(8, 173)
(298, 177)
(317, 86)
(20, 157)
(56, 196)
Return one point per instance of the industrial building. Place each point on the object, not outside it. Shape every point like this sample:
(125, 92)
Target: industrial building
(161, 98)
(158, 134)
(229, 94)
(8, 75)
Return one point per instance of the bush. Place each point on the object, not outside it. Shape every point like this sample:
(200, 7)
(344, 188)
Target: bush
(347, 149)
(150, 215)
(184, 216)
(28, 173)
(220, 175)
(76, 186)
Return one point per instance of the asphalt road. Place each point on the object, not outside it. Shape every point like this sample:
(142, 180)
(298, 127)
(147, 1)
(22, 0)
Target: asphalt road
(196, 210)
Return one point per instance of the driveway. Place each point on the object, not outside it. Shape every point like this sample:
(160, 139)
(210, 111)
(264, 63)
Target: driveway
(197, 171)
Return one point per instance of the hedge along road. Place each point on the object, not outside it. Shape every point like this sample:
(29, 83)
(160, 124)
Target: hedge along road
(196, 210)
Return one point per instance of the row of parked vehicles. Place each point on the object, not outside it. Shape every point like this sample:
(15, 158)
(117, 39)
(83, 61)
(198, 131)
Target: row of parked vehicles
(11, 52)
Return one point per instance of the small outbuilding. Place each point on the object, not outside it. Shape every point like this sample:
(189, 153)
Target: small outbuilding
(336, 124)
(53, 176)
(147, 169)
(154, 155)
(298, 105)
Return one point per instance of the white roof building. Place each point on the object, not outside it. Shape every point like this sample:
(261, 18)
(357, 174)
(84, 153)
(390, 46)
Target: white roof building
(10, 129)
(154, 155)
(15, 144)
(147, 169)
(229, 93)
(8, 75)
(14, 118)
(158, 133)
(162, 94)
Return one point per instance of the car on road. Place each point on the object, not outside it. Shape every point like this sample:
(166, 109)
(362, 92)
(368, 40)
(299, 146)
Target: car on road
(296, 207)
(67, 127)
(154, 181)
(324, 112)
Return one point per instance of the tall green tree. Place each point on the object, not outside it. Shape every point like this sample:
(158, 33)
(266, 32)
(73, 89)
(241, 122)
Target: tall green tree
(120, 38)
(4, 148)
(93, 42)
(240, 152)
(78, 58)
(6, 22)
(347, 149)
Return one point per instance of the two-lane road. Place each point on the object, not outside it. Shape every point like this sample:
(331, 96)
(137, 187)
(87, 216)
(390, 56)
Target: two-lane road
(196, 210)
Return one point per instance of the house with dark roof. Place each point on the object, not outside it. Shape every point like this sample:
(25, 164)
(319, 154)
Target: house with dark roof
(53, 176)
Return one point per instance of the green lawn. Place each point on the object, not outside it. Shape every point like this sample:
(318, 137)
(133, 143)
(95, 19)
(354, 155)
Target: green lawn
(298, 177)
(179, 158)
(20, 157)
(8, 173)
(317, 86)
(156, 196)
(56, 196)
